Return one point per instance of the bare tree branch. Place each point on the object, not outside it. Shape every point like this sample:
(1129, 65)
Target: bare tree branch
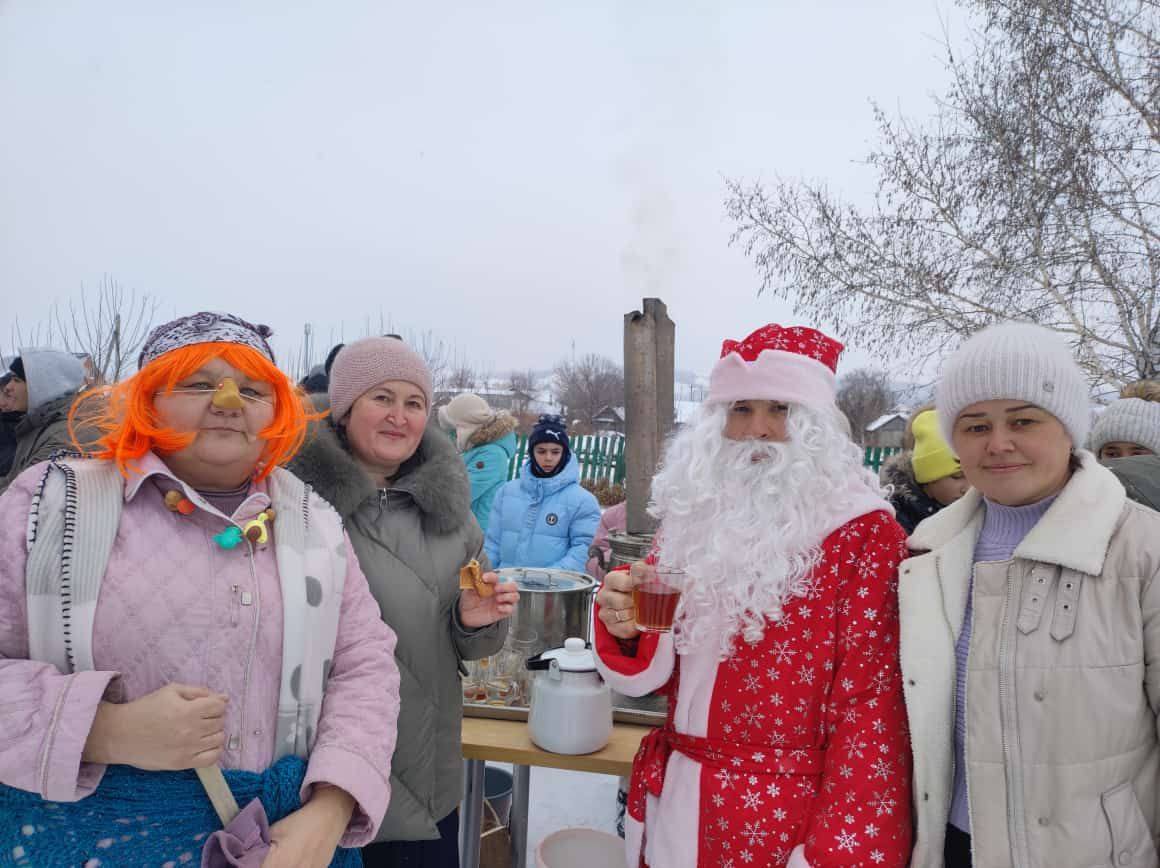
(463, 378)
(864, 395)
(522, 384)
(108, 325)
(1033, 194)
(437, 354)
(586, 386)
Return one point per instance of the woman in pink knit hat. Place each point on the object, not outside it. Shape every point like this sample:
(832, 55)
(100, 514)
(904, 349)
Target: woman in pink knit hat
(403, 492)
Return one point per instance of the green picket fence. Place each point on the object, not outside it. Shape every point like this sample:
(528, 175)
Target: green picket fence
(876, 456)
(600, 457)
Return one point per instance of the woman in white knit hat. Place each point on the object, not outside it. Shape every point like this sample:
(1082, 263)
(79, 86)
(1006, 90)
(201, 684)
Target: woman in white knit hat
(1131, 425)
(1030, 628)
(487, 440)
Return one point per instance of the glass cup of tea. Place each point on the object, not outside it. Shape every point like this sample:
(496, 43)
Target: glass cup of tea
(655, 599)
(474, 689)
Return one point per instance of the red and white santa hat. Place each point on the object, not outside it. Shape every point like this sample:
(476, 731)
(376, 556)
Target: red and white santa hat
(794, 364)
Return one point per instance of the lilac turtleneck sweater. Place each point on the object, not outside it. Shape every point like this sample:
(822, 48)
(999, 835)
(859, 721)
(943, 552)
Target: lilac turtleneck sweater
(1003, 529)
(227, 502)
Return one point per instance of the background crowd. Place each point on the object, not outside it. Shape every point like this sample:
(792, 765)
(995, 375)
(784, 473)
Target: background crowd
(307, 628)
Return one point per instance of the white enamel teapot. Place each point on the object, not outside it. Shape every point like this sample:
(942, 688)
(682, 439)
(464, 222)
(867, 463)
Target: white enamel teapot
(571, 705)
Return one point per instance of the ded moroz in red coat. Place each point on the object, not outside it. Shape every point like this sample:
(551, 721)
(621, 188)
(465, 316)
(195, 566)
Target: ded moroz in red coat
(798, 739)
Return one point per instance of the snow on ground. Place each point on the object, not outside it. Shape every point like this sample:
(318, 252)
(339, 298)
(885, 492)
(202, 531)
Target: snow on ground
(564, 799)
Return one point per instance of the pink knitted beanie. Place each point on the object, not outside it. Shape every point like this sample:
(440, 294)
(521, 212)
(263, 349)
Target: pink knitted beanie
(363, 364)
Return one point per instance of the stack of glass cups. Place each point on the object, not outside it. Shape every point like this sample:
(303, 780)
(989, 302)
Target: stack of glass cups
(521, 644)
(474, 684)
(502, 679)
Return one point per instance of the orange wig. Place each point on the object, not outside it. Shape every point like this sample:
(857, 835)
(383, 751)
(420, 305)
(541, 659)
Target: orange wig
(127, 422)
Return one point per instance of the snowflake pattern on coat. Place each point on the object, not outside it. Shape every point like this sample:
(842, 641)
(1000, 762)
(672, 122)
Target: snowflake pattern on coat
(824, 679)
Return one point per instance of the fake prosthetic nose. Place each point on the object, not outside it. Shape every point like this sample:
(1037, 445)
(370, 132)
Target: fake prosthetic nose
(227, 396)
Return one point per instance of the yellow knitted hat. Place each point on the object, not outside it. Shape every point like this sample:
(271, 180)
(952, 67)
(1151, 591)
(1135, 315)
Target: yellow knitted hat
(932, 459)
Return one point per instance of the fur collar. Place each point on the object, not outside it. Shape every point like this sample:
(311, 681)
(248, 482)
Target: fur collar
(1074, 533)
(46, 414)
(898, 473)
(498, 428)
(434, 477)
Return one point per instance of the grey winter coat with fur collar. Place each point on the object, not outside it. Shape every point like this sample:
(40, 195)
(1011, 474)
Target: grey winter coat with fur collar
(411, 540)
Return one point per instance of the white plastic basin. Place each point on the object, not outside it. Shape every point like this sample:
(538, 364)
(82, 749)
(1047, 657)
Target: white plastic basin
(580, 848)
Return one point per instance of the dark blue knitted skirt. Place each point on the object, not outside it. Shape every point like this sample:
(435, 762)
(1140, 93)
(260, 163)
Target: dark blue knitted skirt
(138, 818)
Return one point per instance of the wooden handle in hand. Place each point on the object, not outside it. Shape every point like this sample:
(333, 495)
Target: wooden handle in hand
(219, 793)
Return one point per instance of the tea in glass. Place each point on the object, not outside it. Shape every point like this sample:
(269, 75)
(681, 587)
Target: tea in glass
(501, 684)
(474, 689)
(655, 600)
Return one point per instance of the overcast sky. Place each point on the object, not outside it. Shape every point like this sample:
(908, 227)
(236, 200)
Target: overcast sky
(512, 176)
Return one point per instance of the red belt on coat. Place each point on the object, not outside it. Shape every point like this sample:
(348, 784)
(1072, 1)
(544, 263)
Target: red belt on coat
(652, 759)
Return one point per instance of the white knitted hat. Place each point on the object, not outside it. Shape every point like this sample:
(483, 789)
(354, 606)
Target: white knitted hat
(1131, 420)
(466, 414)
(1015, 361)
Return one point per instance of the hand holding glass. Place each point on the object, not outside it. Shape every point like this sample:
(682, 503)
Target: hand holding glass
(655, 599)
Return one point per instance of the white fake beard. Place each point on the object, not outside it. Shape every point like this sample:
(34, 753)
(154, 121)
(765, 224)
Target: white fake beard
(746, 519)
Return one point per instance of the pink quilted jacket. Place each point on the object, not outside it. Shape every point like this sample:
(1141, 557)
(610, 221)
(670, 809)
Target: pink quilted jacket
(175, 607)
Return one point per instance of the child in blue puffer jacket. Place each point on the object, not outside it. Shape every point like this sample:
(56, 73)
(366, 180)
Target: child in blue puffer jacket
(544, 518)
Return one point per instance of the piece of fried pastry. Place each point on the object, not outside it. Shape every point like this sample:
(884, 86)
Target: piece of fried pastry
(471, 577)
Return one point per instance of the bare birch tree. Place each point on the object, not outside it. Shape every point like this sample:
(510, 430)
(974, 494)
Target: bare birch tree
(586, 386)
(463, 378)
(108, 324)
(864, 395)
(522, 385)
(436, 353)
(1034, 194)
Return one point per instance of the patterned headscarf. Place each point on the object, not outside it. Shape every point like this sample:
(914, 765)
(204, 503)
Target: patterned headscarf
(203, 328)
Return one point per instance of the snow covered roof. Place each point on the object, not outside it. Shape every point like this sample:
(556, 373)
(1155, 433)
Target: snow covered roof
(883, 420)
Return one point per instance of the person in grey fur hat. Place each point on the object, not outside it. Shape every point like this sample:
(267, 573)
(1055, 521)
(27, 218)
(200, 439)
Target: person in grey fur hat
(1030, 627)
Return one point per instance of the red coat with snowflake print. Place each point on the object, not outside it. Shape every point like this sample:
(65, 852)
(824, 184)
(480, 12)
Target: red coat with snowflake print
(800, 738)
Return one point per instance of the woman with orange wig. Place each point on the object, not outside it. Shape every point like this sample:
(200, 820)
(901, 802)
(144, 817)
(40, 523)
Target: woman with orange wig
(178, 600)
